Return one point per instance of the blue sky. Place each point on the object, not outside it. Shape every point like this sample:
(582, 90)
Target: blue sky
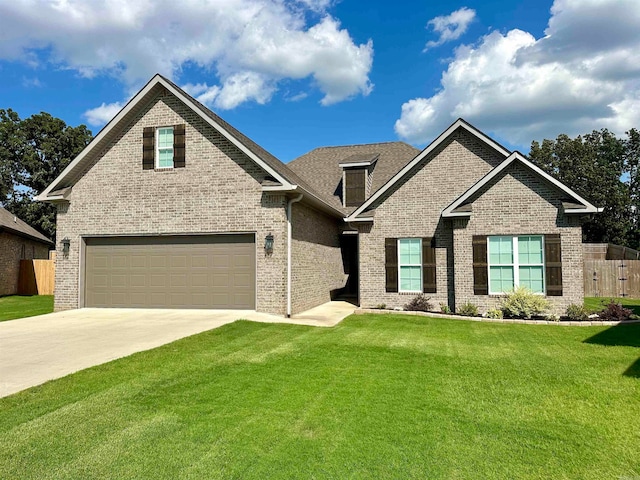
(298, 74)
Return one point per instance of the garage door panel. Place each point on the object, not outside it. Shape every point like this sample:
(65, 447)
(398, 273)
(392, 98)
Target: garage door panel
(157, 261)
(138, 261)
(216, 271)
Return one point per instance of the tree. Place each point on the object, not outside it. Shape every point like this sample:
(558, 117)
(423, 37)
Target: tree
(632, 161)
(35, 151)
(594, 166)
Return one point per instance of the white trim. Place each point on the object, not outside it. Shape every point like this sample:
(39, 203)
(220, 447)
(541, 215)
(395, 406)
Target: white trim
(156, 80)
(359, 219)
(515, 263)
(157, 148)
(448, 211)
(432, 146)
(356, 164)
(400, 265)
(279, 188)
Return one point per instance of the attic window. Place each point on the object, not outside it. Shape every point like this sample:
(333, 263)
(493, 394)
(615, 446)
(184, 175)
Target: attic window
(164, 152)
(163, 147)
(355, 181)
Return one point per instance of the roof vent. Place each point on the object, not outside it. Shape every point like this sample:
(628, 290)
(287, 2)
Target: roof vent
(15, 219)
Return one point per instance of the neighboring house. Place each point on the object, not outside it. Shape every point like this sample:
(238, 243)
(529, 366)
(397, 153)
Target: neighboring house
(18, 241)
(170, 206)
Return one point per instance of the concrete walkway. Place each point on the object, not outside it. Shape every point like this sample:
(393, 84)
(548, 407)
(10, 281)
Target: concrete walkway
(38, 349)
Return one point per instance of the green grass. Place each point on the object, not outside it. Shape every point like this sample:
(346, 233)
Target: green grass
(17, 306)
(596, 304)
(378, 396)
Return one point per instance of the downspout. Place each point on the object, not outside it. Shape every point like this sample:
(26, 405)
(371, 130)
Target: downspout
(289, 230)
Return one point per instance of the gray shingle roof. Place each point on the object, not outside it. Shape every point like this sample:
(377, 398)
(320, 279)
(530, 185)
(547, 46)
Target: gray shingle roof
(9, 222)
(267, 157)
(321, 167)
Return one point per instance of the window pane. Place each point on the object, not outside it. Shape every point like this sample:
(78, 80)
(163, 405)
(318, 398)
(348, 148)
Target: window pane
(165, 138)
(411, 279)
(500, 250)
(410, 251)
(165, 158)
(530, 250)
(532, 278)
(501, 279)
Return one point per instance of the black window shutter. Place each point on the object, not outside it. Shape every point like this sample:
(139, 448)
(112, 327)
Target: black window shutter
(391, 264)
(148, 148)
(178, 146)
(355, 186)
(480, 266)
(553, 264)
(428, 266)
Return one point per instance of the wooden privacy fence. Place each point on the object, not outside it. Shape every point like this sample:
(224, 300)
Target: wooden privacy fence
(37, 277)
(612, 278)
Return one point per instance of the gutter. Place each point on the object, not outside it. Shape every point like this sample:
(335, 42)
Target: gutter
(289, 229)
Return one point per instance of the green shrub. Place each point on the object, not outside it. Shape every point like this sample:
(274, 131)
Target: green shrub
(419, 303)
(523, 303)
(495, 313)
(468, 309)
(444, 308)
(381, 306)
(577, 313)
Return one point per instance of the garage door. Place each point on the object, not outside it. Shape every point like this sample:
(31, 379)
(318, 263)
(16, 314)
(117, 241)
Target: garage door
(216, 271)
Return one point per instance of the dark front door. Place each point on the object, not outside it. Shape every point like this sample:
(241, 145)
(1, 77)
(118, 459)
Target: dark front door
(349, 246)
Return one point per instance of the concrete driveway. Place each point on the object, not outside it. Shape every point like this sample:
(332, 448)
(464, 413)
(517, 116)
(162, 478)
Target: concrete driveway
(37, 349)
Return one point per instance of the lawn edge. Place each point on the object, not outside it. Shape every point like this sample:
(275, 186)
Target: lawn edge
(589, 323)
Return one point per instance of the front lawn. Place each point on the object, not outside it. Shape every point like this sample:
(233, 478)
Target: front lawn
(378, 396)
(17, 306)
(596, 304)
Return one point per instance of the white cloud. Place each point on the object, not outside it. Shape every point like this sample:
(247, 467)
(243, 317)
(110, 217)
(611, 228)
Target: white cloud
(450, 27)
(100, 115)
(583, 75)
(251, 45)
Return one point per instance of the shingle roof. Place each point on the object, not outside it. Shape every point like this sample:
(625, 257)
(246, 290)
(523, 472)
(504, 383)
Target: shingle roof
(321, 167)
(11, 223)
(267, 157)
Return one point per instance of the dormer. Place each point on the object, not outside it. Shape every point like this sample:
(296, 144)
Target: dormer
(356, 178)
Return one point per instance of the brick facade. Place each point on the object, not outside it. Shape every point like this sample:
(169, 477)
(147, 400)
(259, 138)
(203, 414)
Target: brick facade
(219, 191)
(14, 248)
(518, 203)
(413, 210)
(316, 259)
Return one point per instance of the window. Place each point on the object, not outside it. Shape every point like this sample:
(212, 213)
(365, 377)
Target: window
(164, 154)
(516, 261)
(410, 264)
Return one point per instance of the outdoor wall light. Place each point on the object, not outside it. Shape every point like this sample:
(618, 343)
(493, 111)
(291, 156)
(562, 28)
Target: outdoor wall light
(66, 245)
(268, 244)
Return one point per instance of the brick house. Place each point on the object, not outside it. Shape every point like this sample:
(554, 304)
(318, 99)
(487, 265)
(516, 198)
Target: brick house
(170, 206)
(18, 241)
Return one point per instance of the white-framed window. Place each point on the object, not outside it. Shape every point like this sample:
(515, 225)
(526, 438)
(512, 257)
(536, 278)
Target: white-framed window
(516, 261)
(164, 147)
(410, 265)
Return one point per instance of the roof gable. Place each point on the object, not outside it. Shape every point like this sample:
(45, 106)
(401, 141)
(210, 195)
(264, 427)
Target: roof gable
(461, 207)
(284, 178)
(409, 167)
(9, 222)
